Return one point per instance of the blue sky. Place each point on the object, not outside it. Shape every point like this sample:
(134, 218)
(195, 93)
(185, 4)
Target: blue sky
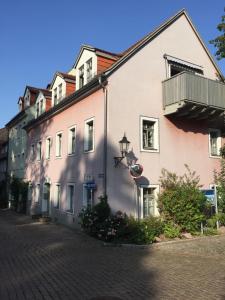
(38, 38)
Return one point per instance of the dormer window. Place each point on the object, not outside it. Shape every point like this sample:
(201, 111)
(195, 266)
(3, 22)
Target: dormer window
(41, 106)
(89, 69)
(81, 76)
(55, 96)
(60, 91)
(37, 109)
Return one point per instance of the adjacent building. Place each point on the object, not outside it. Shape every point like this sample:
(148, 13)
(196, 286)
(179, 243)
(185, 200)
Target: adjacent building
(3, 153)
(165, 94)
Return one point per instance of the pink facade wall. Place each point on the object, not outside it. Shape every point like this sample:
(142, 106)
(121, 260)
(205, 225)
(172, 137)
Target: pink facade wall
(135, 90)
(68, 169)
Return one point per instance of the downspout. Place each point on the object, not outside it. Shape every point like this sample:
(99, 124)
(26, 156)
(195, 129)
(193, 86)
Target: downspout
(103, 83)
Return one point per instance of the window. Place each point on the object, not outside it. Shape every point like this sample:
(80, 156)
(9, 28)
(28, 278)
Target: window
(87, 196)
(48, 148)
(214, 142)
(70, 198)
(148, 205)
(149, 134)
(37, 196)
(89, 136)
(81, 76)
(72, 141)
(39, 150)
(176, 65)
(37, 109)
(57, 195)
(89, 69)
(41, 106)
(59, 144)
(55, 96)
(60, 91)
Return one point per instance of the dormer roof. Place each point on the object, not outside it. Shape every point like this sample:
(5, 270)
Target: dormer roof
(65, 76)
(98, 52)
(21, 99)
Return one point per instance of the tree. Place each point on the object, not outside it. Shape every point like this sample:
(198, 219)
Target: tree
(219, 42)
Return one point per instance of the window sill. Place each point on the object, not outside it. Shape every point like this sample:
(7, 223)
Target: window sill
(215, 156)
(58, 157)
(150, 150)
(72, 154)
(89, 151)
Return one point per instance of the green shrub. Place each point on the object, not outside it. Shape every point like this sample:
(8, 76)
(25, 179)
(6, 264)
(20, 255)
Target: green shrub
(219, 178)
(171, 230)
(210, 231)
(181, 200)
(98, 222)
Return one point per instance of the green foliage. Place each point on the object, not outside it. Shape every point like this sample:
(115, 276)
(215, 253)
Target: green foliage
(18, 190)
(219, 42)
(100, 223)
(220, 217)
(171, 230)
(219, 179)
(210, 231)
(181, 200)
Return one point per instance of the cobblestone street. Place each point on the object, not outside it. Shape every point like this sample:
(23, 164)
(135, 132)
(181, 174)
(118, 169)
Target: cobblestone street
(39, 261)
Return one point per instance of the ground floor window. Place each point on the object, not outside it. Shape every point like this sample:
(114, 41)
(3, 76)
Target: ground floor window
(70, 197)
(46, 198)
(214, 142)
(57, 196)
(88, 195)
(148, 201)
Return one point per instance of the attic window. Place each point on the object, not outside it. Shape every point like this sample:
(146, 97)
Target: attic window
(81, 76)
(176, 68)
(177, 65)
(89, 69)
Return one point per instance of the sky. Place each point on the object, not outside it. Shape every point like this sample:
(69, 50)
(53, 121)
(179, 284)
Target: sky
(41, 37)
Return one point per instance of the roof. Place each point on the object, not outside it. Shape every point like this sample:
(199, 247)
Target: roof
(98, 51)
(45, 92)
(65, 76)
(150, 36)
(20, 99)
(32, 89)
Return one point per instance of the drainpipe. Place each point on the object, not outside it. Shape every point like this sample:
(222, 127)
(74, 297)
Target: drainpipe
(103, 83)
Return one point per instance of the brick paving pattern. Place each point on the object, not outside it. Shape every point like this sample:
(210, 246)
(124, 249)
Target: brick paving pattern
(39, 261)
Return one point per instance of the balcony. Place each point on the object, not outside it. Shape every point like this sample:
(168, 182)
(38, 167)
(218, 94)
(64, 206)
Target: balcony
(193, 96)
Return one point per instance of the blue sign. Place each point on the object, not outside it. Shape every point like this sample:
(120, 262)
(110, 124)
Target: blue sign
(210, 194)
(90, 186)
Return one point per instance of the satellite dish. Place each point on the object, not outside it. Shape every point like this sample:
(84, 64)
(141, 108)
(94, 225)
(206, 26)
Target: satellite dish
(136, 170)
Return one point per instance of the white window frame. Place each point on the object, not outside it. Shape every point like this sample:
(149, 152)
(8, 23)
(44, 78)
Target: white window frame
(39, 150)
(37, 193)
(67, 196)
(70, 153)
(56, 200)
(156, 211)
(156, 133)
(219, 143)
(60, 92)
(57, 154)
(48, 149)
(86, 150)
(85, 197)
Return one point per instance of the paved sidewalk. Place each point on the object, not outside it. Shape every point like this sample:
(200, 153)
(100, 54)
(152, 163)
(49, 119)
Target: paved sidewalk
(39, 261)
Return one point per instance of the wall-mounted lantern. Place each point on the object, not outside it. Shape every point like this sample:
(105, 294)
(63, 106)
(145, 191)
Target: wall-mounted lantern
(124, 146)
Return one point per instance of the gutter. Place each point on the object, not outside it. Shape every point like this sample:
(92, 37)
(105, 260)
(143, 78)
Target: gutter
(103, 82)
(70, 100)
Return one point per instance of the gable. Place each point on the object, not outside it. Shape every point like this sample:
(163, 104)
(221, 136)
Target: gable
(179, 30)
